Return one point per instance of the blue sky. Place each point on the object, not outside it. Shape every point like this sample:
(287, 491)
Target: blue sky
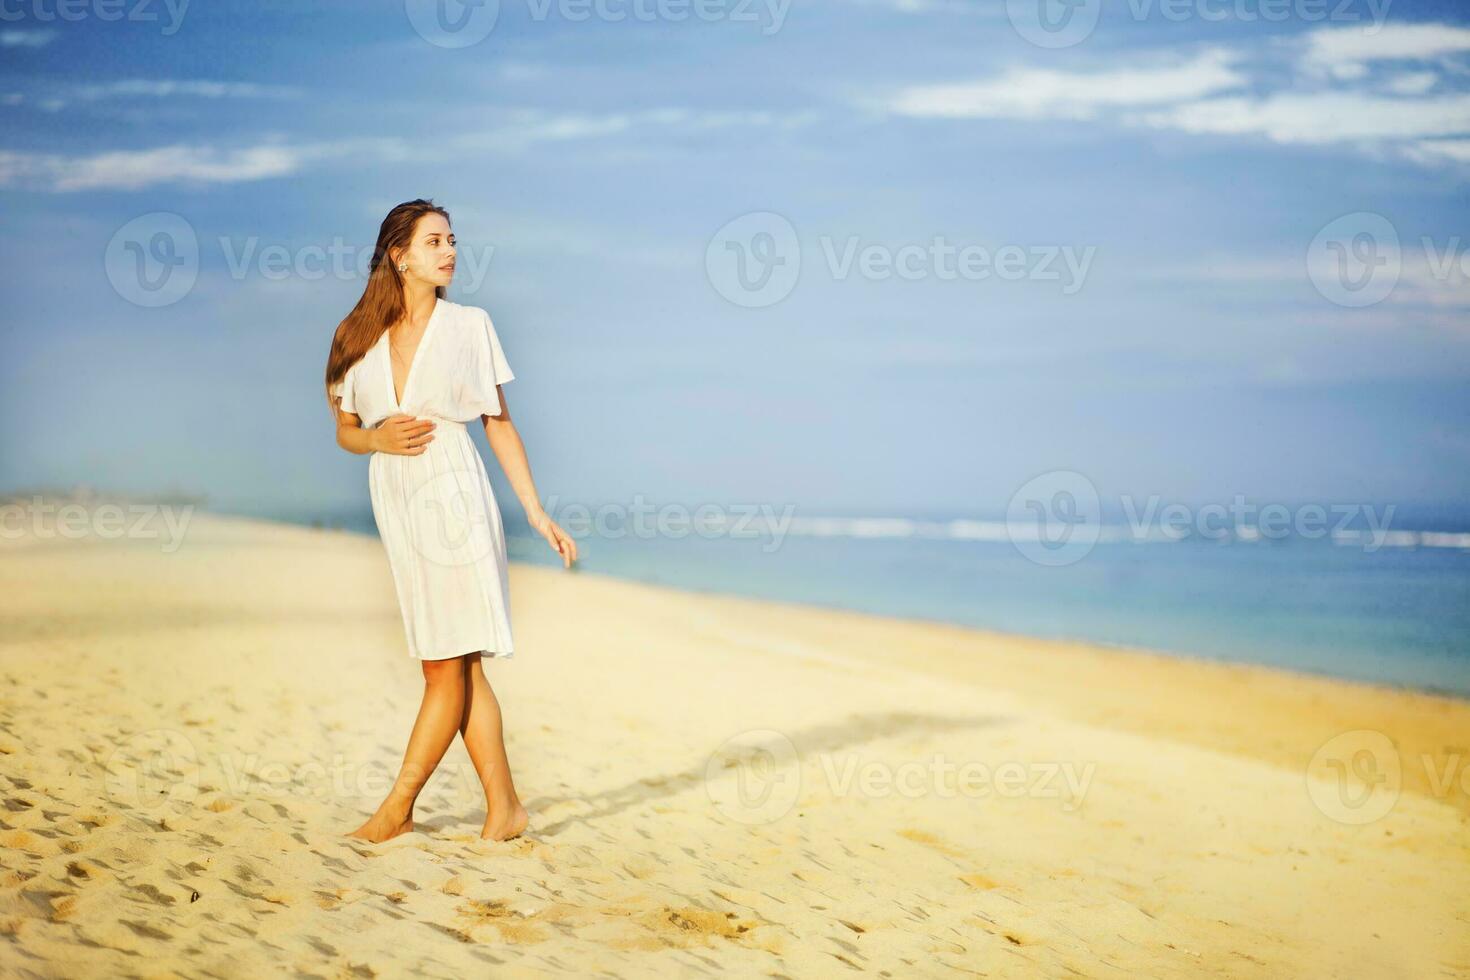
(590, 165)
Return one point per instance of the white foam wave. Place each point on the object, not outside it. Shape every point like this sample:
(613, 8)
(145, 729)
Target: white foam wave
(967, 529)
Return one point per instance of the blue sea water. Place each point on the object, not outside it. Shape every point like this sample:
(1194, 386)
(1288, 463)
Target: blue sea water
(1398, 613)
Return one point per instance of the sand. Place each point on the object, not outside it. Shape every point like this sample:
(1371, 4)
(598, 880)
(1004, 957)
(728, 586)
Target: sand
(715, 784)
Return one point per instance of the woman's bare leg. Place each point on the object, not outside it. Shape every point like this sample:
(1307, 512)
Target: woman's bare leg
(433, 730)
(483, 735)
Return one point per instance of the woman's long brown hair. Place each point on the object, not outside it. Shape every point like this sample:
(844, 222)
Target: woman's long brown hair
(382, 303)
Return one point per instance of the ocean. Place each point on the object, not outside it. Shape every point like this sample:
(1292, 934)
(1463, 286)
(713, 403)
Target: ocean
(1392, 608)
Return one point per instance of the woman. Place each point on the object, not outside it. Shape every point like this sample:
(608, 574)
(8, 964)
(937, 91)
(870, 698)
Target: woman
(407, 370)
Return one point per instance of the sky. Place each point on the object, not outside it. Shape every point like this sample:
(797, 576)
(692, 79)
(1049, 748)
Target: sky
(888, 257)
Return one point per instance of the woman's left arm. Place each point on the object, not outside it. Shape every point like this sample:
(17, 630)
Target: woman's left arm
(505, 442)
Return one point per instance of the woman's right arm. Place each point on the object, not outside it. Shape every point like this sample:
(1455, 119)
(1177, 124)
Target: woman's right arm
(401, 435)
(351, 436)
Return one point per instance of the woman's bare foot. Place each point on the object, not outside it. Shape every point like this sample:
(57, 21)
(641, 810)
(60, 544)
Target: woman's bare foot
(384, 825)
(505, 823)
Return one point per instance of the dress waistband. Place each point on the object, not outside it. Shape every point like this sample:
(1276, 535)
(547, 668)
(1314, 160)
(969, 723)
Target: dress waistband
(439, 420)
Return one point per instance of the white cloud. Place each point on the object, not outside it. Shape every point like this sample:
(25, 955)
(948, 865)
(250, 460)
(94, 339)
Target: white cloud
(26, 39)
(132, 169)
(1321, 117)
(199, 88)
(966, 8)
(1049, 94)
(135, 88)
(1396, 88)
(552, 238)
(540, 129)
(1411, 83)
(1345, 52)
(529, 127)
(1434, 274)
(1440, 151)
(1435, 281)
(524, 71)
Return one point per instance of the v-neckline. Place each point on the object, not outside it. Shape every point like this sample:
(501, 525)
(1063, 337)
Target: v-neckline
(398, 401)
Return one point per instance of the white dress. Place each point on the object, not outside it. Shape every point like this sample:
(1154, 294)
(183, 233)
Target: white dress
(436, 513)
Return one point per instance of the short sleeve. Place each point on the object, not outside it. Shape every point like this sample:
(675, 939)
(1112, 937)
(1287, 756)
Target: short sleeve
(344, 390)
(493, 368)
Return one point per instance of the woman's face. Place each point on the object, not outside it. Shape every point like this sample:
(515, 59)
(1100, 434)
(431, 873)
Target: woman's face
(431, 254)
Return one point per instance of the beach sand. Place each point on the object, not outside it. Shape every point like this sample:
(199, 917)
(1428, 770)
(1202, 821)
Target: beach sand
(715, 784)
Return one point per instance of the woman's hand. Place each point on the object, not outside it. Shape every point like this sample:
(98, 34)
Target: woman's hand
(560, 541)
(403, 435)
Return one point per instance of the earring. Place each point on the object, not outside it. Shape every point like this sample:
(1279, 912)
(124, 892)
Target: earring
(403, 267)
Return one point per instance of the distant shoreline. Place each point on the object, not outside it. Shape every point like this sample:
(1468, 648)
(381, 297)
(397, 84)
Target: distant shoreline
(523, 536)
(519, 535)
